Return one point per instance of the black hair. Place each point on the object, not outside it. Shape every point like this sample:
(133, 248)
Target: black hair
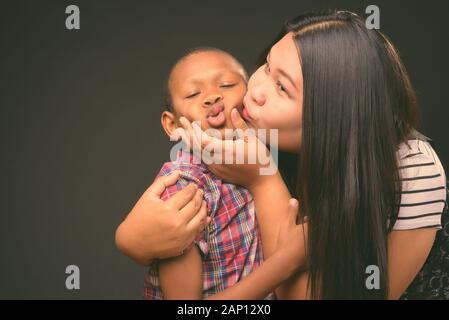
(358, 106)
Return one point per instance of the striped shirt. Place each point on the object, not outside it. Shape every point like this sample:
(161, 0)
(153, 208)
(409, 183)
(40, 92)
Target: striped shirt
(230, 246)
(423, 193)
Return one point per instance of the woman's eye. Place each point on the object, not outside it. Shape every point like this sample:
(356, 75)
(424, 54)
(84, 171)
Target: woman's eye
(280, 86)
(192, 95)
(228, 85)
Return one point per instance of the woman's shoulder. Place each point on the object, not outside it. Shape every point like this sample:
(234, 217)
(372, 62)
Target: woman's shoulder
(423, 186)
(416, 157)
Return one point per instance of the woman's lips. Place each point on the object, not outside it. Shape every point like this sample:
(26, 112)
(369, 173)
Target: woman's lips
(245, 110)
(245, 113)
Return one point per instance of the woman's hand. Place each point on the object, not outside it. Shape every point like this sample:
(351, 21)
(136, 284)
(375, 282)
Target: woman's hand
(244, 161)
(162, 229)
(292, 239)
(269, 191)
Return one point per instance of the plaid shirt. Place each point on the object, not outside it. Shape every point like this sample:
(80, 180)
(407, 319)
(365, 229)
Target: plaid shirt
(230, 245)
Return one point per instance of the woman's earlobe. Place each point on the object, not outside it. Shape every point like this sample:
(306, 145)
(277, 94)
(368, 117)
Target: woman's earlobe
(168, 122)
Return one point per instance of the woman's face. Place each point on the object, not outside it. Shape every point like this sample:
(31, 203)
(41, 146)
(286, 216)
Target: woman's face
(275, 95)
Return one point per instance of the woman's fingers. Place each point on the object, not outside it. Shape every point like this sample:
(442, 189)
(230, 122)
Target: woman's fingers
(215, 150)
(189, 211)
(200, 221)
(187, 126)
(237, 120)
(290, 219)
(161, 183)
(181, 133)
(182, 197)
(187, 133)
(292, 211)
(201, 138)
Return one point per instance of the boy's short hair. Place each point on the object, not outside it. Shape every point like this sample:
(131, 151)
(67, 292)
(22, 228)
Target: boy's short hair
(168, 103)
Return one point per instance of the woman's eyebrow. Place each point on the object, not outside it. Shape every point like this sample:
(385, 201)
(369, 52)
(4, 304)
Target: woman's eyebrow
(283, 73)
(286, 75)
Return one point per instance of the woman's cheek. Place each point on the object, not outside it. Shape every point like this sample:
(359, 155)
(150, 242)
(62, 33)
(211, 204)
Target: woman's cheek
(280, 118)
(266, 119)
(291, 114)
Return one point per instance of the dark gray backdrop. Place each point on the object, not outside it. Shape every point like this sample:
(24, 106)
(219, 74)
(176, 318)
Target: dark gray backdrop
(81, 136)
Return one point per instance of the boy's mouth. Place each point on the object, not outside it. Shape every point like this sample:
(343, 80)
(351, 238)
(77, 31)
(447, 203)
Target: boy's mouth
(216, 116)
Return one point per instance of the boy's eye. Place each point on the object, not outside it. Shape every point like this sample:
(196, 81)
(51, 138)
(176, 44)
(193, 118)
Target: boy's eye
(228, 85)
(192, 95)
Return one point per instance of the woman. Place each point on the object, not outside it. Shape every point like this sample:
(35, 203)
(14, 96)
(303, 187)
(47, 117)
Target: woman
(341, 99)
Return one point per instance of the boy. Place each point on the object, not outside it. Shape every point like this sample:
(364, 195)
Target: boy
(205, 85)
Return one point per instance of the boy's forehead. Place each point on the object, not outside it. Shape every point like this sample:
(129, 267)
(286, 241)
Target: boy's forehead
(203, 63)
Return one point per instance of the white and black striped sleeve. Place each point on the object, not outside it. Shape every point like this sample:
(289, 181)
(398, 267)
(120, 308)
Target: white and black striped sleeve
(423, 192)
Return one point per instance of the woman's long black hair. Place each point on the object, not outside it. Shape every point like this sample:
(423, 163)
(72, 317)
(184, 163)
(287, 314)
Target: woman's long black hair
(358, 107)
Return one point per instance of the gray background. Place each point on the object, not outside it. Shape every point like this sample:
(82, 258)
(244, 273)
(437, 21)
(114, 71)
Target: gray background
(80, 131)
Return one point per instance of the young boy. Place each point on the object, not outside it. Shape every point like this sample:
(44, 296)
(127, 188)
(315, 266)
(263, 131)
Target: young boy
(205, 85)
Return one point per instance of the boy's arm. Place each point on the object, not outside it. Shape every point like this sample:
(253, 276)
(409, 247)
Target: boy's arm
(181, 277)
(261, 282)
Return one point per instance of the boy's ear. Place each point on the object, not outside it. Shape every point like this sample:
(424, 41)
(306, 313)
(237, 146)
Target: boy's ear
(168, 122)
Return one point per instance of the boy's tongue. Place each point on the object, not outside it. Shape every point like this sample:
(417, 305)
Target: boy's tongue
(215, 115)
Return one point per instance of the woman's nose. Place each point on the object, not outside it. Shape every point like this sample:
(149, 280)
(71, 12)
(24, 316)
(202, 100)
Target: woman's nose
(212, 99)
(258, 94)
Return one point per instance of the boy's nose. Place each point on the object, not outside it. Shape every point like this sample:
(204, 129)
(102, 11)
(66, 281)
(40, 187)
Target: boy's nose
(212, 99)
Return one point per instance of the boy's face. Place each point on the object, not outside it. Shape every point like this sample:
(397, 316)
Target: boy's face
(205, 87)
